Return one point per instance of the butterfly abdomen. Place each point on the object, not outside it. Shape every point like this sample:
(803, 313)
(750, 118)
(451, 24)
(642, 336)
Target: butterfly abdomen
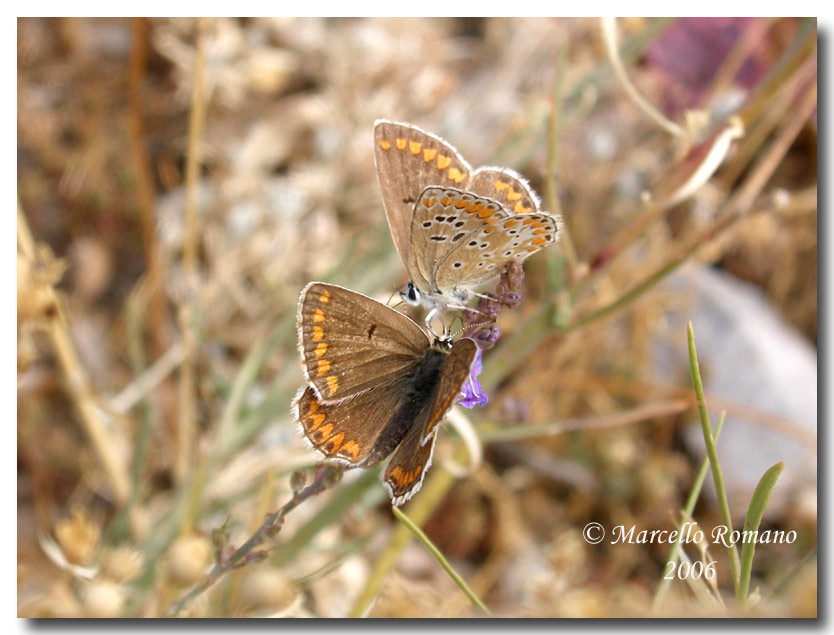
(418, 391)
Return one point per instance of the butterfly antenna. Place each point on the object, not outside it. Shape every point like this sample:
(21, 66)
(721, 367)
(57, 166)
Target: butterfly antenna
(470, 327)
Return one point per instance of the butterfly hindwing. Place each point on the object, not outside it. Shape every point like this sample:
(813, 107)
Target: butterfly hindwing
(505, 186)
(484, 253)
(404, 474)
(350, 343)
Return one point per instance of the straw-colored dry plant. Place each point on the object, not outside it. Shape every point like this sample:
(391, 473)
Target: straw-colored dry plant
(181, 180)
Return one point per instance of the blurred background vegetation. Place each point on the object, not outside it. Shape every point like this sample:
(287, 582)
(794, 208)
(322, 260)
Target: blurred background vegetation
(180, 180)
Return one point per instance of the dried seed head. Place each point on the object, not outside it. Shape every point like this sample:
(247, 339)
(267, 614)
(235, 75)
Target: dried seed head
(122, 564)
(78, 537)
(267, 588)
(105, 599)
(188, 557)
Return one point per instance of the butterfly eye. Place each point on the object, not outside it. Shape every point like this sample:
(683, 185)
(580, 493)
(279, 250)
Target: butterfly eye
(410, 294)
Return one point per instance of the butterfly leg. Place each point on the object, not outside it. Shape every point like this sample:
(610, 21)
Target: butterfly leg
(435, 314)
(483, 296)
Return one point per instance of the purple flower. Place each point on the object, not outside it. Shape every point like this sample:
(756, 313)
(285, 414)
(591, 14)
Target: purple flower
(471, 390)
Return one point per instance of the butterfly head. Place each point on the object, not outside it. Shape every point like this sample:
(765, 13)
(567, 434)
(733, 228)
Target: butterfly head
(411, 294)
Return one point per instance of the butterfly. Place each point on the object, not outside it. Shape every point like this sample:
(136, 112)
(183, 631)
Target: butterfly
(376, 384)
(454, 228)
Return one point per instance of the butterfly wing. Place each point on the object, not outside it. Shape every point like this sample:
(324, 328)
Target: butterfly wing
(350, 343)
(347, 431)
(505, 186)
(443, 221)
(403, 476)
(485, 252)
(456, 367)
(407, 160)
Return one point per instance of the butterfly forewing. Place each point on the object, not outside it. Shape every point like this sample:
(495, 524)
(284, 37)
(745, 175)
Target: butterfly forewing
(409, 159)
(350, 343)
(505, 186)
(407, 467)
(456, 367)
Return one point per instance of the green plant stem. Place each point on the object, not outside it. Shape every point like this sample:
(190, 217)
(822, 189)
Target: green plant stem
(712, 453)
(242, 386)
(694, 493)
(418, 533)
(420, 508)
(751, 524)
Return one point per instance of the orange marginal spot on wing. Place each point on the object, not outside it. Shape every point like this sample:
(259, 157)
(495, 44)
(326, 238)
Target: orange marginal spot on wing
(540, 241)
(403, 478)
(321, 349)
(489, 229)
(443, 162)
(429, 202)
(385, 144)
(429, 154)
(324, 367)
(401, 144)
(317, 421)
(492, 219)
(350, 448)
(318, 315)
(460, 203)
(474, 207)
(445, 201)
(540, 232)
(512, 195)
(500, 185)
(510, 223)
(325, 297)
(325, 431)
(318, 333)
(520, 209)
(414, 147)
(332, 384)
(486, 211)
(531, 249)
(335, 442)
(456, 175)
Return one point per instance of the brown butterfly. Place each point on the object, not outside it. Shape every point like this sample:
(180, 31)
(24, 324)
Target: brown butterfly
(376, 384)
(455, 228)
